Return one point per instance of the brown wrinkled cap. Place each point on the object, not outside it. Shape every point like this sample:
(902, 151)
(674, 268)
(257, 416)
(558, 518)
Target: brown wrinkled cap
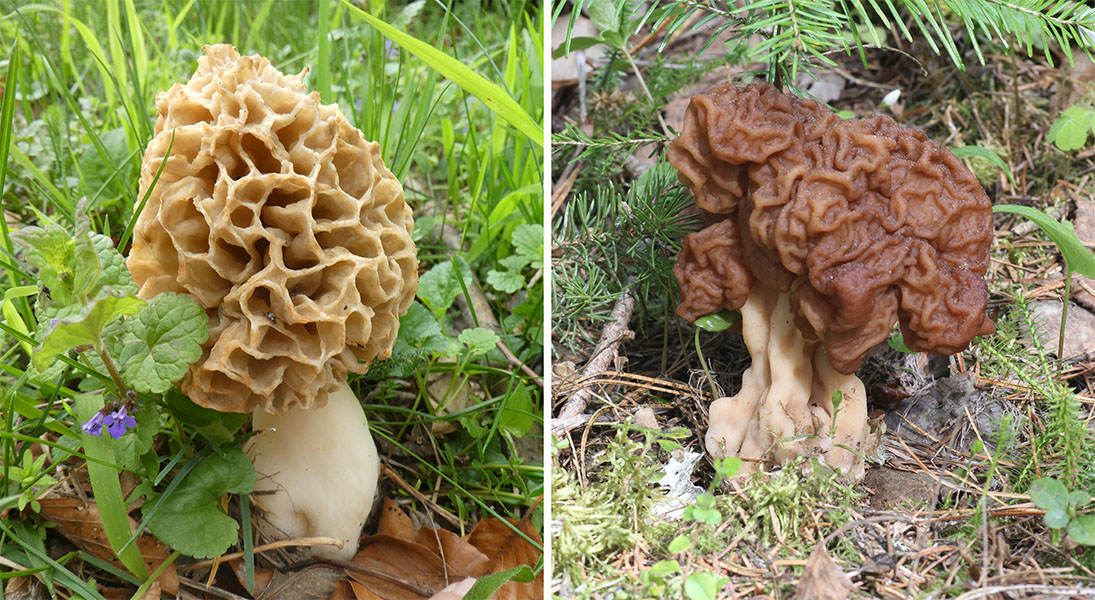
(863, 221)
(277, 216)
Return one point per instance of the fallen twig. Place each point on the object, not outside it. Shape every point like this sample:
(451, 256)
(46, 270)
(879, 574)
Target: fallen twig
(604, 354)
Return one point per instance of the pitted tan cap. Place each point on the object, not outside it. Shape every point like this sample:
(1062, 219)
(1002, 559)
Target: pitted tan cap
(276, 215)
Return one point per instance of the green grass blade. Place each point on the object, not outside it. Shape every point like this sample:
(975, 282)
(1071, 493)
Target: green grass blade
(475, 84)
(323, 61)
(1078, 258)
(107, 488)
(7, 124)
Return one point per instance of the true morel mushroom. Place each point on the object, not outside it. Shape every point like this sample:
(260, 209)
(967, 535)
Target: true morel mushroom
(283, 222)
(824, 232)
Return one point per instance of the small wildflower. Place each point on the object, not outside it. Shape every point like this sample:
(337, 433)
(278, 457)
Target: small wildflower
(119, 422)
(94, 425)
(390, 51)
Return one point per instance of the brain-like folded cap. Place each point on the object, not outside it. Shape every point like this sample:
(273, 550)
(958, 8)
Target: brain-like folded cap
(283, 222)
(864, 222)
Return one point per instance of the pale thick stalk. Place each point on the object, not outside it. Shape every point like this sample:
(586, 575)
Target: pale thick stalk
(784, 409)
(320, 469)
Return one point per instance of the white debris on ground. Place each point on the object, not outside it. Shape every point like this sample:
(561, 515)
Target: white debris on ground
(680, 492)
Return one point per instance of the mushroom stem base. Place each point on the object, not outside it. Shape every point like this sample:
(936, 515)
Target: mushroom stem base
(785, 407)
(317, 472)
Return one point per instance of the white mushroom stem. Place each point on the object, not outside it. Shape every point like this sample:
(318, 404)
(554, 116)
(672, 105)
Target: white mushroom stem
(785, 409)
(317, 471)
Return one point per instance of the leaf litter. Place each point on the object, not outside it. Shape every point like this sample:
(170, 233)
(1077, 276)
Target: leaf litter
(402, 563)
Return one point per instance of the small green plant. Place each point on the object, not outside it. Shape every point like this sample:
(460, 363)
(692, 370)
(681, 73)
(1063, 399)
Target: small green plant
(1071, 129)
(28, 480)
(1063, 507)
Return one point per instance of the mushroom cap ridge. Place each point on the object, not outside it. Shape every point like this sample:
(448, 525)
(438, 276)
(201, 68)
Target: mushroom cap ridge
(276, 215)
(862, 221)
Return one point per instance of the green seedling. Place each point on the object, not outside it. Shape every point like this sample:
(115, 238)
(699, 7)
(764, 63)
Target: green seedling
(1063, 507)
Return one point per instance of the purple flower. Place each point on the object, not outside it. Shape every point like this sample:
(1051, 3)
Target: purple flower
(118, 422)
(389, 50)
(94, 425)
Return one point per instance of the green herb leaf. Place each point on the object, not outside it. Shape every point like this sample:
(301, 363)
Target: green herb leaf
(528, 241)
(85, 328)
(665, 568)
(190, 520)
(439, 287)
(1047, 493)
(680, 544)
(1078, 498)
(1078, 258)
(505, 281)
(1082, 530)
(485, 587)
(703, 585)
(168, 335)
(215, 426)
(603, 14)
(479, 340)
(518, 414)
(1069, 131)
(717, 322)
(114, 272)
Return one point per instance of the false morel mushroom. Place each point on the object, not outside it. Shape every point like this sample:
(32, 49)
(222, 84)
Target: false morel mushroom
(276, 215)
(824, 232)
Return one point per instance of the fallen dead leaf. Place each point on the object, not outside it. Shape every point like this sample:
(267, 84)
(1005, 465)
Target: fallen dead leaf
(399, 563)
(507, 549)
(823, 579)
(262, 576)
(80, 523)
(399, 569)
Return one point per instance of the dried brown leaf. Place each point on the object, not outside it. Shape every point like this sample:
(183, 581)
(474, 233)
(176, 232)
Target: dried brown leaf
(395, 522)
(823, 579)
(262, 576)
(399, 569)
(507, 549)
(460, 557)
(80, 523)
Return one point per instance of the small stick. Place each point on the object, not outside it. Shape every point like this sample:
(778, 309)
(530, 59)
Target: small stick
(386, 576)
(451, 518)
(513, 360)
(308, 541)
(603, 356)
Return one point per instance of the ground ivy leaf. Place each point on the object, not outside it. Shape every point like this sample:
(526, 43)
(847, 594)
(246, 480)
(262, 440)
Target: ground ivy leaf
(49, 250)
(217, 427)
(169, 333)
(528, 240)
(505, 281)
(190, 520)
(114, 272)
(86, 265)
(85, 328)
(479, 340)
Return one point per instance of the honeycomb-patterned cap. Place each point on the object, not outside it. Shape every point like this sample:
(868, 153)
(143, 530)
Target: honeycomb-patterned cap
(276, 215)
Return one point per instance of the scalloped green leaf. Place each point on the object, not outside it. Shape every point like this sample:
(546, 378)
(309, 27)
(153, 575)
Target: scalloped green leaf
(164, 338)
(190, 519)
